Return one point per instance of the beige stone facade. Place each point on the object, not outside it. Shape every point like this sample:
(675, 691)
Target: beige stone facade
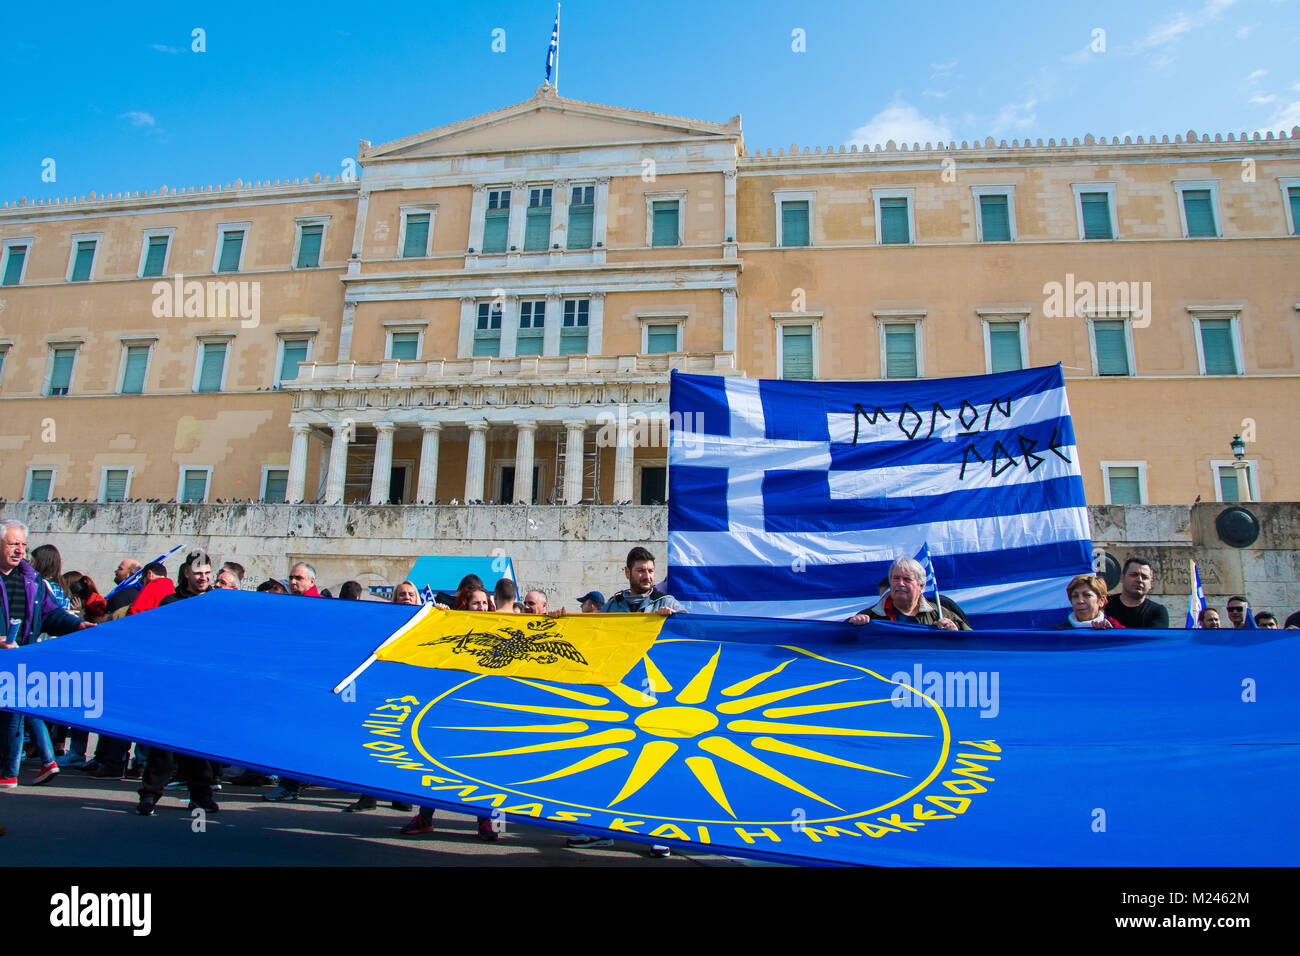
(492, 298)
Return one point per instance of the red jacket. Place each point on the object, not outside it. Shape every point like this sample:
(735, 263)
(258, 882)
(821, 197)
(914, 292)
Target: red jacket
(151, 594)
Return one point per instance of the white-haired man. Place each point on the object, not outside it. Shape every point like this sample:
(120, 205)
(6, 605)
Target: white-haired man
(905, 601)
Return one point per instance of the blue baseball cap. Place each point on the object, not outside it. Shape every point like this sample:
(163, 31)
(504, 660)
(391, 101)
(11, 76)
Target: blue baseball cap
(592, 596)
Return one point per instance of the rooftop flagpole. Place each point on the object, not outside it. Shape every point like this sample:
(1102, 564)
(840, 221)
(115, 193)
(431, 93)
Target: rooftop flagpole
(557, 49)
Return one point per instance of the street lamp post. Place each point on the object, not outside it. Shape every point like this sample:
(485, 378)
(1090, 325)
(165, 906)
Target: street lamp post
(1242, 468)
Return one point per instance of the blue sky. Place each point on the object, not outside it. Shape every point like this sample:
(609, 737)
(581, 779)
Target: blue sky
(120, 101)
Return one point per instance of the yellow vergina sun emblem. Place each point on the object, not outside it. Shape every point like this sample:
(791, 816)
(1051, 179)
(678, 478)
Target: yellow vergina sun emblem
(709, 737)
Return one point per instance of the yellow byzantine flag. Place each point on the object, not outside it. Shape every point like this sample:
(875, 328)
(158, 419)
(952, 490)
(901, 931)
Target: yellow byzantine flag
(574, 649)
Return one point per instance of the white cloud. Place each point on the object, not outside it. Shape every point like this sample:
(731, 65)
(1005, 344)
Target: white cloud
(902, 123)
(1082, 55)
(1182, 23)
(937, 94)
(1285, 118)
(1164, 61)
(1015, 116)
(1257, 76)
(1263, 99)
(944, 67)
(161, 48)
(138, 118)
(1245, 31)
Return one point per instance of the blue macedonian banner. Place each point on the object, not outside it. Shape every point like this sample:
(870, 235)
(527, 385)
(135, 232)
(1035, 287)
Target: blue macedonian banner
(796, 741)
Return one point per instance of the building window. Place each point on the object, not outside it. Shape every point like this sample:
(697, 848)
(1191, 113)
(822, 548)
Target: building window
(1125, 482)
(230, 247)
(61, 364)
(582, 216)
(415, 232)
(661, 335)
(193, 486)
(1216, 344)
(654, 484)
(1112, 351)
(135, 368)
(210, 370)
(496, 220)
(996, 221)
(537, 224)
(15, 261)
(1095, 206)
(153, 253)
(487, 329)
(114, 484)
(1227, 484)
(532, 327)
(1290, 203)
(573, 330)
(293, 352)
(1004, 346)
(82, 266)
(797, 353)
(404, 346)
(40, 481)
(1198, 200)
(274, 483)
(895, 221)
(795, 216)
(311, 236)
(899, 350)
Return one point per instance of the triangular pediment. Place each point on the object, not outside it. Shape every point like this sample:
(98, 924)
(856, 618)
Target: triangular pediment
(549, 121)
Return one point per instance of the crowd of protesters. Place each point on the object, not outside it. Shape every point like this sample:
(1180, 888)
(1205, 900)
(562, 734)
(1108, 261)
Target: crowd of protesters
(43, 602)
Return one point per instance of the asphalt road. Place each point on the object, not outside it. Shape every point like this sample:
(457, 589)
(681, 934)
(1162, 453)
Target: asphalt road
(77, 820)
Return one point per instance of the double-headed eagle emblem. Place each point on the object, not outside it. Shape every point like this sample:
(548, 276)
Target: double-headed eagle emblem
(508, 644)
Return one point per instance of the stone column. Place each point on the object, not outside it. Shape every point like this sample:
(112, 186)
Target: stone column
(427, 489)
(623, 458)
(573, 462)
(551, 330)
(559, 215)
(518, 216)
(600, 216)
(338, 467)
(509, 326)
(345, 331)
(524, 441)
(728, 321)
(468, 316)
(297, 483)
(382, 474)
(477, 211)
(595, 323)
(729, 213)
(476, 463)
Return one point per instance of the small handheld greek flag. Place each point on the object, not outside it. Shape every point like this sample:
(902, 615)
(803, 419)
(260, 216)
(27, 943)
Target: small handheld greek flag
(1195, 600)
(923, 558)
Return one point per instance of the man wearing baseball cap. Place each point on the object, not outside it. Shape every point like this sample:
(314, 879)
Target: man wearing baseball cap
(591, 602)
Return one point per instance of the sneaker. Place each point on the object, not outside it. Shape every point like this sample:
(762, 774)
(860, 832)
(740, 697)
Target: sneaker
(364, 802)
(8, 783)
(104, 771)
(207, 805)
(398, 805)
(146, 806)
(418, 825)
(660, 852)
(134, 772)
(48, 772)
(280, 795)
(252, 778)
(588, 842)
(486, 830)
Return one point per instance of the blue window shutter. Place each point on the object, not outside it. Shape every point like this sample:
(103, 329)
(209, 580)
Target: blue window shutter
(39, 485)
(416, 242)
(995, 221)
(156, 257)
(1125, 486)
(137, 360)
(115, 484)
(405, 345)
(214, 361)
(1293, 194)
(661, 339)
(1004, 346)
(1216, 346)
(537, 229)
(665, 223)
(195, 485)
(796, 353)
(295, 353)
(495, 225)
(794, 223)
(894, 227)
(1112, 352)
(309, 246)
(581, 219)
(61, 374)
(1199, 211)
(1228, 483)
(232, 243)
(85, 259)
(14, 264)
(900, 351)
(277, 482)
(1096, 215)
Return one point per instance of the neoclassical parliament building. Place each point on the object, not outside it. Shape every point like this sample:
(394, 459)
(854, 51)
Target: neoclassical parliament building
(476, 311)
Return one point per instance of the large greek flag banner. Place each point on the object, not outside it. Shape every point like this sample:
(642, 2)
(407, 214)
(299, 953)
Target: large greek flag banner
(791, 498)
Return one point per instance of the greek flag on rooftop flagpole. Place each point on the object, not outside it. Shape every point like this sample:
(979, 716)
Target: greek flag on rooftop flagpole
(792, 498)
(553, 50)
(1195, 600)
